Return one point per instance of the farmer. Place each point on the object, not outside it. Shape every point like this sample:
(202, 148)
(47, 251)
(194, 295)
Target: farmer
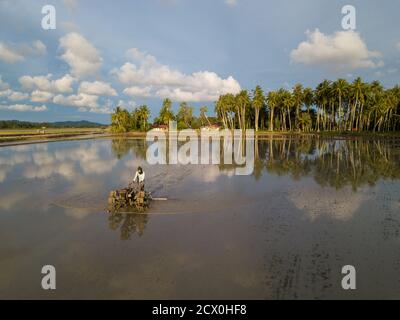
(139, 179)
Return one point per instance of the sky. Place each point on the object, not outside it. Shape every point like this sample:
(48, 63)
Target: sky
(104, 54)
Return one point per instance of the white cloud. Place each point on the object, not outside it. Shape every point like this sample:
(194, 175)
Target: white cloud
(149, 77)
(179, 94)
(343, 51)
(143, 92)
(44, 83)
(81, 100)
(80, 54)
(23, 108)
(41, 96)
(18, 96)
(84, 103)
(17, 53)
(64, 84)
(5, 93)
(3, 85)
(37, 48)
(101, 110)
(129, 105)
(9, 55)
(97, 88)
(231, 2)
(398, 45)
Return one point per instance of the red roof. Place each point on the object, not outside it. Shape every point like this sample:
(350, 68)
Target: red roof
(161, 126)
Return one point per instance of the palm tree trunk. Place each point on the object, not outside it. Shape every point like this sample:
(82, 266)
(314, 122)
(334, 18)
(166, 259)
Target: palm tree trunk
(257, 115)
(271, 117)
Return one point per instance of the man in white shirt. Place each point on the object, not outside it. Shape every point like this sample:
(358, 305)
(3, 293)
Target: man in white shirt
(139, 178)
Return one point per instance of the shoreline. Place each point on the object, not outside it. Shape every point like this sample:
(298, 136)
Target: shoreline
(15, 140)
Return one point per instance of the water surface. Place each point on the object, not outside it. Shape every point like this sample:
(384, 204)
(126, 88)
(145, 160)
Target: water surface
(311, 207)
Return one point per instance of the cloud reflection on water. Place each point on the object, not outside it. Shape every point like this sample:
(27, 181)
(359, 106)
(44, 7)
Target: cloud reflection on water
(345, 169)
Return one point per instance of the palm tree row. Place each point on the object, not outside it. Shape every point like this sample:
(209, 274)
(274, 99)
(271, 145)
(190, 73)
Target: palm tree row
(124, 121)
(331, 106)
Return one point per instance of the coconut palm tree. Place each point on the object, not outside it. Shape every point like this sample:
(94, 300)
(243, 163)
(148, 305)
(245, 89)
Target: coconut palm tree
(298, 100)
(144, 114)
(203, 114)
(331, 106)
(340, 90)
(272, 102)
(305, 121)
(322, 100)
(121, 120)
(308, 98)
(184, 116)
(288, 102)
(166, 113)
(242, 102)
(225, 108)
(257, 104)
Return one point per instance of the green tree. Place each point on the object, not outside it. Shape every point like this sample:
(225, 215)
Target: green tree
(331, 106)
(166, 113)
(272, 102)
(203, 115)
(340, 90)
(257, 103)
(298, 100)
(184, 116)
(242, 102)
(225, 108)
(121, 121)
(288, 102)
(143, 117)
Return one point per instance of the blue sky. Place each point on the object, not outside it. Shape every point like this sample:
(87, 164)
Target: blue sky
(103, 54)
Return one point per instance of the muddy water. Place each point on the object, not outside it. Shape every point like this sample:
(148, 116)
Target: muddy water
(310, 207)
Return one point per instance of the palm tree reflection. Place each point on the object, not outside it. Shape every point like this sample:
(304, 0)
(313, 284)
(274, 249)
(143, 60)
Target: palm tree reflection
(120, 147)
(128, 224)
(335, 162)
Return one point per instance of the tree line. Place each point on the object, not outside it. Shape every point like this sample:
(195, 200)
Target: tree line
(125, 121)
(138, 119)
(332, 106)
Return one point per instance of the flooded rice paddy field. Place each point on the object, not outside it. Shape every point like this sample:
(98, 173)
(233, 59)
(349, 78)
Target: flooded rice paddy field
(310, 207)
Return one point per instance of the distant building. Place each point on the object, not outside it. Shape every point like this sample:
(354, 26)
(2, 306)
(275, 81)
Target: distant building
(161, 127)
(212, 127)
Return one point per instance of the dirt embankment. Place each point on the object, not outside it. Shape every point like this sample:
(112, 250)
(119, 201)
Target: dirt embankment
(15, 139)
